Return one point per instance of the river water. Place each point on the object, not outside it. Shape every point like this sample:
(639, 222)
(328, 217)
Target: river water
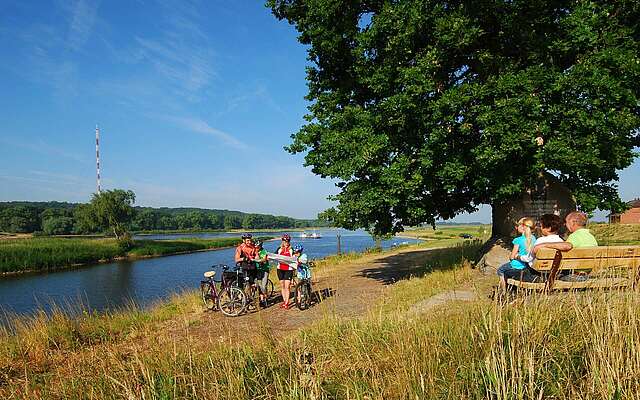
(142, 282)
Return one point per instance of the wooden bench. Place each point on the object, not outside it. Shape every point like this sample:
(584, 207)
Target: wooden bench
(603, 266)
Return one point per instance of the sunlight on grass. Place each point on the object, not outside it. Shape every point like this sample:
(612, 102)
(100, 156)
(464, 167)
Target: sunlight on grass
(565, 346)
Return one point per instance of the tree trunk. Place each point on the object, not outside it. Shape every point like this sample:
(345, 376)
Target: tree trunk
(502, 225)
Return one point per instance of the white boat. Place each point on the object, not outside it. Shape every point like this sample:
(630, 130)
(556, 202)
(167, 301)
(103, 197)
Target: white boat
(312, 235)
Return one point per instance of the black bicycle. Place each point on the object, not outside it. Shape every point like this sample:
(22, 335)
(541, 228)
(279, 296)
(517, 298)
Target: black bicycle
(229, 299)
(304, 292)
(252, 292)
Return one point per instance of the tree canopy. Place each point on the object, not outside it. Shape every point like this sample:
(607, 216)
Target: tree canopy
(423, 109)
(54, 218)
(108, 210)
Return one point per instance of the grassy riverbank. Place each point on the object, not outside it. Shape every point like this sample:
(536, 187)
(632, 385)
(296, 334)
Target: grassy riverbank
(565, 346)
(441, 232)
(616, 234)
(37, 254)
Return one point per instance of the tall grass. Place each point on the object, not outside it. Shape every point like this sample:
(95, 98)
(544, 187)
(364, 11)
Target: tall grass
(163, 247)
(566, 346)
(52, 253)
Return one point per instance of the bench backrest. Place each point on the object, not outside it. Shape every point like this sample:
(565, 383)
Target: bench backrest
(590, 258)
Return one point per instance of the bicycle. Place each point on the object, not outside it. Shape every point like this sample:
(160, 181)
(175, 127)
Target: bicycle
(303, 291)
(252, 292)
(229, 299)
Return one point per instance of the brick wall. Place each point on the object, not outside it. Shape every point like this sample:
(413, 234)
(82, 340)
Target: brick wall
(632, 216)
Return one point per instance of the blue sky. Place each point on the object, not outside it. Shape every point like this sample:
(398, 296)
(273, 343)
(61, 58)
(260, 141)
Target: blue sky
(195, 101)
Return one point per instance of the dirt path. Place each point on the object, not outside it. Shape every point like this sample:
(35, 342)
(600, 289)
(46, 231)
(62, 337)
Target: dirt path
(347, 291)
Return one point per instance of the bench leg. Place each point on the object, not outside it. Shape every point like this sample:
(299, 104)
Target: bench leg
(557, 259)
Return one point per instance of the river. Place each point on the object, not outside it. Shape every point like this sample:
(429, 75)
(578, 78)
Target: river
(143, 282)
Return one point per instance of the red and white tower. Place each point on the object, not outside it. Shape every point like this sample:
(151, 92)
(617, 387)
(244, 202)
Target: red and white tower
(98, 157)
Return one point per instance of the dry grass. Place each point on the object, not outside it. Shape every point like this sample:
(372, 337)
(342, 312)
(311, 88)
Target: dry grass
(566, 346)
(616, 234)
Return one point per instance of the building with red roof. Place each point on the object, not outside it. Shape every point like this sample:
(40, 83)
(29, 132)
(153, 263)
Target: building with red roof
(631, 216)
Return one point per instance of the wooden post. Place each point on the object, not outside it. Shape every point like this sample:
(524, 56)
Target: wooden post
(339, 247)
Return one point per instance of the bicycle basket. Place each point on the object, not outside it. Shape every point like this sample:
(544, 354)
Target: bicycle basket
(231, 277)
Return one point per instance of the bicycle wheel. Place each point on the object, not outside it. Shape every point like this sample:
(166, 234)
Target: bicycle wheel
(207, 293)
(270, 289)
(303, 295)
(231, 302)
(251, 297)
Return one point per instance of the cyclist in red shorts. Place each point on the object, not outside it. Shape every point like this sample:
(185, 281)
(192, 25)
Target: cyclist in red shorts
(284, 271)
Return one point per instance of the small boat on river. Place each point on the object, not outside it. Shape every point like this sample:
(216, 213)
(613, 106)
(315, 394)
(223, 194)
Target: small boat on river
(312, 235)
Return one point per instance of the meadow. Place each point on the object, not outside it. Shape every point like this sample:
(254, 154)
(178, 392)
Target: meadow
(449, 232)
(566, 346)
(38, 254)
(616, 234)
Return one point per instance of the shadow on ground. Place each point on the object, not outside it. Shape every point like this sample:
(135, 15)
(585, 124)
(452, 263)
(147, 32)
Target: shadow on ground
(418, 263)
(323, 294)
(317, 296)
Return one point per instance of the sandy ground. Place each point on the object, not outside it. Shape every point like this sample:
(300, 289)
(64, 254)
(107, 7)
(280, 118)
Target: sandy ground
(347, 291)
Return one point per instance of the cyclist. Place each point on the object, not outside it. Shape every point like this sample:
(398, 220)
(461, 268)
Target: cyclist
(285, 272)
(262, 268)
(245, 255)
(303, 271)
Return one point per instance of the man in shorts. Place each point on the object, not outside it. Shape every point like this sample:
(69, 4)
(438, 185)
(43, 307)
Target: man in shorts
(245, 256)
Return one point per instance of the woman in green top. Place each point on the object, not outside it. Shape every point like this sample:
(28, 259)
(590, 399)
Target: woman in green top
(262, 266)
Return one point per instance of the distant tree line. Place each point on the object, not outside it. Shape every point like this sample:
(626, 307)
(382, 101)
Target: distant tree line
(59, 218)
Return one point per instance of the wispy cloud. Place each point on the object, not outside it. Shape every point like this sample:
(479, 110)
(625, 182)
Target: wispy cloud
(187, 67)
(47, 49)
(44, 148)
(82, 19)
(181, 54)
(200, 126)
(259, 93)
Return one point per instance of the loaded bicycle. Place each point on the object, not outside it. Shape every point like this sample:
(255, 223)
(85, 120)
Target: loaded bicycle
(304, 290)
(234, 295)
(228, 298)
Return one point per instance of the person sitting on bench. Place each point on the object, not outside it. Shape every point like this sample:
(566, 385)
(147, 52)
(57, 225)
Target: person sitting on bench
(549, 226)
(579, 235)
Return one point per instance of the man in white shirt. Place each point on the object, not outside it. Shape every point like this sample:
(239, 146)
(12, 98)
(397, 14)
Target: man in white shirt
(549, 226)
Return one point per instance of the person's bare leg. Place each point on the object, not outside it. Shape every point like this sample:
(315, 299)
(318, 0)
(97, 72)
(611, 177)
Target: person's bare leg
(286, 291)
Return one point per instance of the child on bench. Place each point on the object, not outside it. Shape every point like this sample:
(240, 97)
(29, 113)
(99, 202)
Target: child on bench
(549, 225)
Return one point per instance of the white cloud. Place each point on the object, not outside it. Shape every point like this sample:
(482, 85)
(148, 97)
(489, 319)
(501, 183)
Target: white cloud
(82, 19)
(258, 93)
(200, 126)
(187, 67)
(181, 54)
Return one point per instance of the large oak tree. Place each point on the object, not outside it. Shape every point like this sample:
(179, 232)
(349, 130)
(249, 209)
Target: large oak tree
(423, 109)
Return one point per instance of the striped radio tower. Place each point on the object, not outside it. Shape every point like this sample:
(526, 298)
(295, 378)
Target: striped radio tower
(98, 157)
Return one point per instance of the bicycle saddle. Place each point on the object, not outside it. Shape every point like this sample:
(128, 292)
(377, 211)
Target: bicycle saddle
(209, 274)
